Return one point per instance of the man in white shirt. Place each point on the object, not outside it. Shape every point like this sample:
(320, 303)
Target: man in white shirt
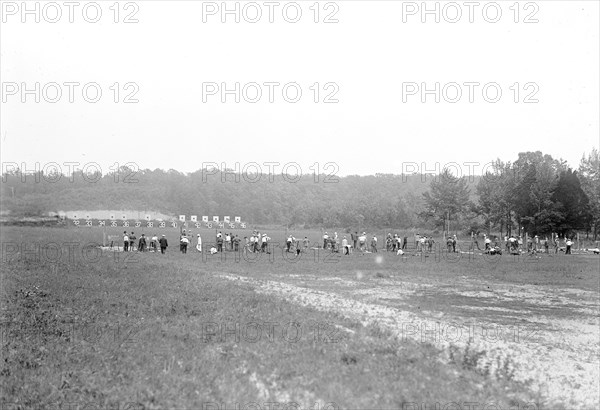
(362, 240)
(325, 239)
(569, 243)
(199, 244)
(345, 246)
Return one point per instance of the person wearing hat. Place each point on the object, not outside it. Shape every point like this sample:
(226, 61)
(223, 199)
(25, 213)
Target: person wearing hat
(132, 239)
(263, 246)
(142, 243)
(125, 241)
(184, 243)
(163, 244)
(153, 243)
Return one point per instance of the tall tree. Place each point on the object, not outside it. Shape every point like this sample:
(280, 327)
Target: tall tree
(571, 203)
(589, 175)
(447, 199)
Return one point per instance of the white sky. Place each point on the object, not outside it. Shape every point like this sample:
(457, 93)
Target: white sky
(369, 54)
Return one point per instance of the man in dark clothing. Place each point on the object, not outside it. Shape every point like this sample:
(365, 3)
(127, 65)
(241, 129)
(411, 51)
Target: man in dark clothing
(219, 243)
(125, 242)
(355, 239)
(404, 242)
(142, 243)
(163, 244)
(132, 239)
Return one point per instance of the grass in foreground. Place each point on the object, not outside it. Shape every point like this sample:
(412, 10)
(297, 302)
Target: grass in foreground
(109, 333)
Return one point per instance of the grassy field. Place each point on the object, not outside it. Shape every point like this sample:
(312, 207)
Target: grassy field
(96, 329)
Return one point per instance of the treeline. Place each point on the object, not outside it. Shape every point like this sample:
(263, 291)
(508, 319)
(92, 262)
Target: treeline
(535, 194)
(531, 192)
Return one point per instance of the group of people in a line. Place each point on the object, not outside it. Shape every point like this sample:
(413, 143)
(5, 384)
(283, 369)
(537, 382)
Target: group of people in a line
(356, 242)
(259, 242)
(515, 244)
(144, 244)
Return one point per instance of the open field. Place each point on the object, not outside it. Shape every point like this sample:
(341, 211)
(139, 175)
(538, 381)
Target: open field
(115, 330)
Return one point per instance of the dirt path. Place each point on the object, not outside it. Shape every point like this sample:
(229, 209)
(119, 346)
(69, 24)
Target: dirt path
(553, 343)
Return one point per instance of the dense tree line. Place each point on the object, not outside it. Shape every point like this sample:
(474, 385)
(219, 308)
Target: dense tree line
(536, 192)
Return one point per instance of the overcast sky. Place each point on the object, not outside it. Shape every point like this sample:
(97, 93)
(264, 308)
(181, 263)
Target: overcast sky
(369, 56)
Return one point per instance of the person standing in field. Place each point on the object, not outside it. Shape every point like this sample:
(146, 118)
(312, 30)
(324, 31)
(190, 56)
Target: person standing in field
(263, 246)
(422, 243)
(568, 243)
(154, 243)
(355, 240)
(142, 243)
(325, 240)
(184, 243)
(556, 243)
(257, 241)
(125, 242)
(306, 244)
(345, 246)
(199, 243)
(454, 241)
(449, 243)
(404, 242)
(163, 244)
(132, 239)
(374, 244)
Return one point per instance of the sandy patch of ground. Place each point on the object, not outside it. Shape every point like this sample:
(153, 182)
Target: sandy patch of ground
(558, 356)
